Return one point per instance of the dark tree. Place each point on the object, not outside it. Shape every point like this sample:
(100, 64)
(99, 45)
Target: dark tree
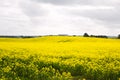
(119, 36)
(86, 35)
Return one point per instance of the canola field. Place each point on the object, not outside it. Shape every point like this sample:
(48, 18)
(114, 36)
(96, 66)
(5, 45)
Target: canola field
(59, 58)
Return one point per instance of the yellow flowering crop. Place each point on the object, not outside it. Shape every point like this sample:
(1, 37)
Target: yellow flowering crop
(59, 58)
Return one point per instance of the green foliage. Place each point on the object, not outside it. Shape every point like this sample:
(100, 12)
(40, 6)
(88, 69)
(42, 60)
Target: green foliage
(86, 35)
(119, 36)
(106, 68)
(19, 69)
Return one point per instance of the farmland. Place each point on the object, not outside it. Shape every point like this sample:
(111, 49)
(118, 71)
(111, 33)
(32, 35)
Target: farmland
(59, 58)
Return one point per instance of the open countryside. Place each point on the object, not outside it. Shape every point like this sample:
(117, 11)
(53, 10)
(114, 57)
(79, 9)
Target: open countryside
(59, 58)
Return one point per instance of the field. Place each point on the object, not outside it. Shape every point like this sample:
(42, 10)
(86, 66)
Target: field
(59, 58)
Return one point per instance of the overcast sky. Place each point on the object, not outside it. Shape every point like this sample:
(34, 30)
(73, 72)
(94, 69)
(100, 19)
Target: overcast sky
(44, 17)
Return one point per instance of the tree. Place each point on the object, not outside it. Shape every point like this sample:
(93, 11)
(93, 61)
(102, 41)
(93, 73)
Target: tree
(86, 35)
(119, 36)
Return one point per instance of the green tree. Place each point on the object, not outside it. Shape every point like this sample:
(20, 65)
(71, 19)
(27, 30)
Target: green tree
(86, 35)
(119, 36)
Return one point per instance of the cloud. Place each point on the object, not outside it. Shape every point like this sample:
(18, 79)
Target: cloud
(103, 13)
(80, 2)
(32, 9)
(36, 17)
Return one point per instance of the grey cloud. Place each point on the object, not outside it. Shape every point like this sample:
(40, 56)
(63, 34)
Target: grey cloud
(58, 2)
(111, 16)
(59, 16)
(32, 9)
(102, 17)
(80, 2)
(107, 17)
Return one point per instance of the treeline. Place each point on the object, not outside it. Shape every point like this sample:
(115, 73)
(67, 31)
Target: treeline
(85, 35)
(17, 36)
(119, 36)
(98, 36)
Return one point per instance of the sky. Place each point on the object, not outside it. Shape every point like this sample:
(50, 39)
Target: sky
(52, 17)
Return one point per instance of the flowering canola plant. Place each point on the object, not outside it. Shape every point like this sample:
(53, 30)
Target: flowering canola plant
(59, 58)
